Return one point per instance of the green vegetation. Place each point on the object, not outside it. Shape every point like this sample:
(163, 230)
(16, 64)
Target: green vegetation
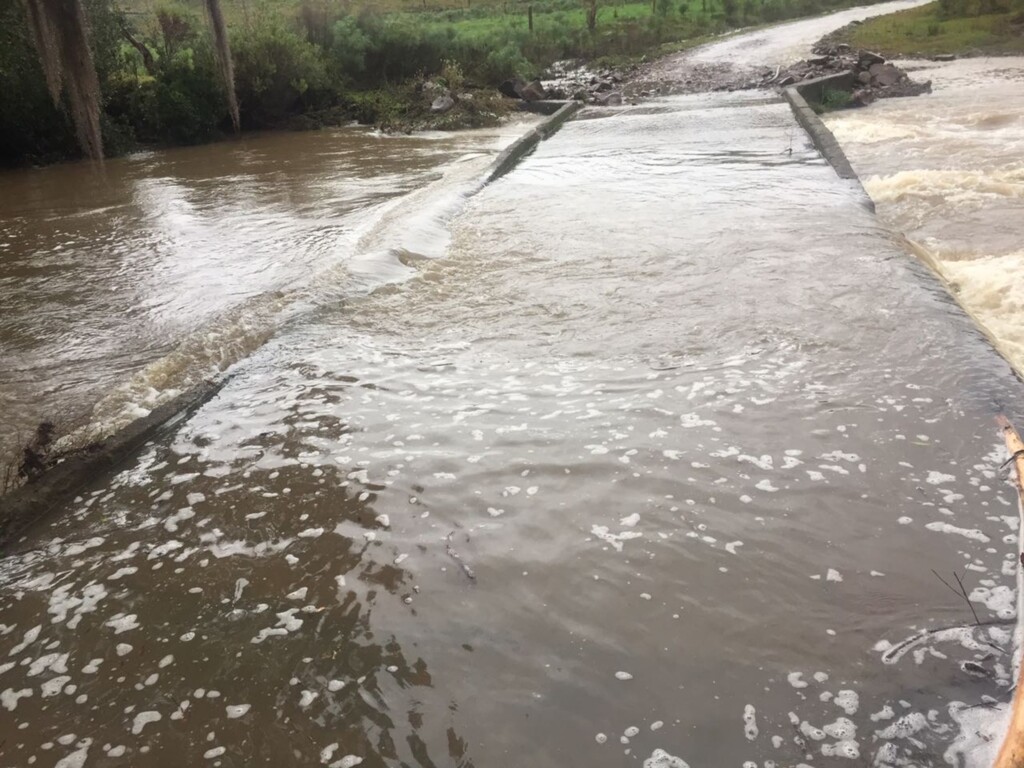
(832, 100)
(164, 73)
(961, 27)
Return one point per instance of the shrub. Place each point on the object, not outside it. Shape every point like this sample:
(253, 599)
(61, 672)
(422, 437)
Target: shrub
(275, 69)
(346, 52)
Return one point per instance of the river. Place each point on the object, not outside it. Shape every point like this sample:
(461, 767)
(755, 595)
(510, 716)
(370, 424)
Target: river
(642, 455)
(947, 170)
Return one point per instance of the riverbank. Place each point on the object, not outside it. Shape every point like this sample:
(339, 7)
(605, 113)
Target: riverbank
(159, 80)
(929, 31)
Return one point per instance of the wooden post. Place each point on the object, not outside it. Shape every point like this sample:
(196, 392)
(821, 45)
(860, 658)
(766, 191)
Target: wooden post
(1011, 754)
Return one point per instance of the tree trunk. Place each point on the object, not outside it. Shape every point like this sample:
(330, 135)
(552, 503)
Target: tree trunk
(1011, 754)
(592, 15)
(60, 32)
(144, 52)
(222, 49)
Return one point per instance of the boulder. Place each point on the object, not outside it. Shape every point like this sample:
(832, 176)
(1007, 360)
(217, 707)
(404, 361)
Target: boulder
(944, 57)
(532, 91)
(610, 99)
(442, 104)
(885, 74)
(861, 98)
(512, 88)
(864, 77)
(869, 59)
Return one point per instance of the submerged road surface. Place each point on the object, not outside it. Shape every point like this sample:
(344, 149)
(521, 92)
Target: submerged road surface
(653, 467)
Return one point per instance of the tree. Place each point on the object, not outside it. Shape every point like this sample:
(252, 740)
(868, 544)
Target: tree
(223, 52)
(60, 33)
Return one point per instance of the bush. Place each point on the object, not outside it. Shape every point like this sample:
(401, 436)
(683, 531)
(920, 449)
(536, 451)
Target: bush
(275, 72)
(181, 103)
(346, 52)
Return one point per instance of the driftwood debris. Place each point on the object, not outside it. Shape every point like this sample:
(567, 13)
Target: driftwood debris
(1011, 754)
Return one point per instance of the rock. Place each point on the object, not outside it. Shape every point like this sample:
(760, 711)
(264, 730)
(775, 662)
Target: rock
(885, 74)
(611, 99)
(532, 91)
(944, 57)
(787, 80)
(512, 88)
(861, 98)
(842, 48)
(442, 104)
(864, 77)
(819, 61)
(868, 59)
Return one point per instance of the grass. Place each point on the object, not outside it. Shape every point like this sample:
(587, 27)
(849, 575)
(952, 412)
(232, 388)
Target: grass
(923, 32)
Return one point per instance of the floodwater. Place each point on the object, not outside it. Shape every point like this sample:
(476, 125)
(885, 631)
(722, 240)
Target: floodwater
(651, 465)
(123, 286)
(947, 169)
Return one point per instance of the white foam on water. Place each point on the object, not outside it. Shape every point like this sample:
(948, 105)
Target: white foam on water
(77, 758)
(615, 539)
(235, 711)
(9, 698)
(940, 526)
(142, 719)
(750, 722)
(848, 701)
(661, 759)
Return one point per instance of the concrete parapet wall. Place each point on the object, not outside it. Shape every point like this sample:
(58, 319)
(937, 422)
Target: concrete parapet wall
(23, 506)
(522, 146)
(821, 136)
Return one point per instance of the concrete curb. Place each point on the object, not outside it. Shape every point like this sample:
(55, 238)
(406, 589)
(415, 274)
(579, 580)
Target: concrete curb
(23, 506)
(822, 138)
(522, 146)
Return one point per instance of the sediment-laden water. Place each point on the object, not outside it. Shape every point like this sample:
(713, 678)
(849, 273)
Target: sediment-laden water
(651, 467)
(947, 170)
(125, 284)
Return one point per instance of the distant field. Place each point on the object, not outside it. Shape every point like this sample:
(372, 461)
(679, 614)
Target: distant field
(922, 32)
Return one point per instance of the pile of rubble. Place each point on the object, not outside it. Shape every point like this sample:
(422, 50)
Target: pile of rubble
(569, 80)
(874, 77)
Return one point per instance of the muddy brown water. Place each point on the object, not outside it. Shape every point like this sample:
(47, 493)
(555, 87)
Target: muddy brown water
(644, 458)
